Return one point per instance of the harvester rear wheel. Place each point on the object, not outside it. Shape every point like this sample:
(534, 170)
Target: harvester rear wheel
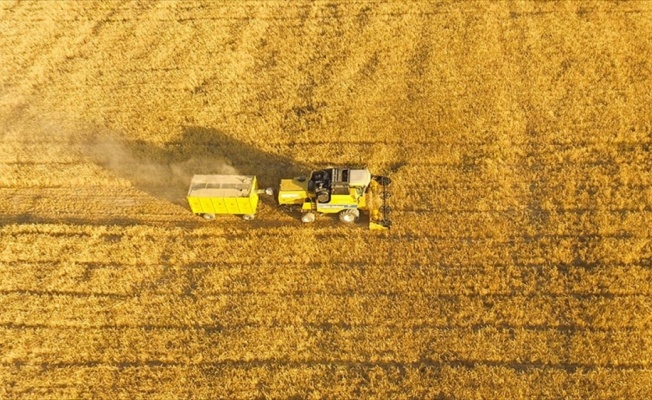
(248, 217)
(308, 218)
(208, 217)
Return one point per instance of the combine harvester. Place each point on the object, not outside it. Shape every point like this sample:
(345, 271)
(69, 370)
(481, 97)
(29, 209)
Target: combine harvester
(342, 191)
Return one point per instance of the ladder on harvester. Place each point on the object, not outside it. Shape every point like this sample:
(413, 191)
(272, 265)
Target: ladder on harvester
(380, 211)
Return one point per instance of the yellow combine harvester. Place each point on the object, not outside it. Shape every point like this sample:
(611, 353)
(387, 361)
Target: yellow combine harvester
(342, 191)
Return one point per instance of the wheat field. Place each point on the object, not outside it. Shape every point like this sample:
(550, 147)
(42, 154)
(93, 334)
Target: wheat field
(517, 135)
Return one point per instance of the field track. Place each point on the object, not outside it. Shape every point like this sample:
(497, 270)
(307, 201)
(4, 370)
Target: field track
(518, 137)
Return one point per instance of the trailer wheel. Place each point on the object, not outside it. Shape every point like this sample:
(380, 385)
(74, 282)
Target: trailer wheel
(208, 217)
(248, 217)
(308, 218)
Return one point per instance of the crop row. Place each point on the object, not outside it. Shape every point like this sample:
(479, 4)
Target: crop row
(105, 309)
(529, 223)
(507, 225)
(295, 280)
(93, 205)
(449, 222)
(242, 380)
(325, 344)
(145, 247)
(436, 151)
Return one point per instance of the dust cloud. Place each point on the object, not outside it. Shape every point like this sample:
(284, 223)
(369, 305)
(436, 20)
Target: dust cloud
(161, 173)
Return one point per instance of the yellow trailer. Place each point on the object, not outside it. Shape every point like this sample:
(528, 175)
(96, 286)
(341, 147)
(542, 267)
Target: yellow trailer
(210, 195)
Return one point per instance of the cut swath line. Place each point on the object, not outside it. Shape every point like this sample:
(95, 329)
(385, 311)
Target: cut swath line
(338, 265)
(497, 240)
(327, 326)
(421, 296)
(422, 365)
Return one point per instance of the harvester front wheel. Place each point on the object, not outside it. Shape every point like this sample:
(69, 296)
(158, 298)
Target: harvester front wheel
(308, 218)
(349, 216)
(208, 217)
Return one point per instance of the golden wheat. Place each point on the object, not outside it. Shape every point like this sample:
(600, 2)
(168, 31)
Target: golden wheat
(517, 135)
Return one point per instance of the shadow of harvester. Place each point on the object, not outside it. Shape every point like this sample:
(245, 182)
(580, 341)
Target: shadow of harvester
(165, 171)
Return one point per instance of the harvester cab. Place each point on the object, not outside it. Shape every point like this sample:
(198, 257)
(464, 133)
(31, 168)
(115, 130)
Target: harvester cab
(342, 191)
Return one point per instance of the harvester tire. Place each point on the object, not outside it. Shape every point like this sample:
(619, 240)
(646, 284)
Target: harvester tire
(308, 218)
(248, 217)
(349, 216)
(208, 217)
